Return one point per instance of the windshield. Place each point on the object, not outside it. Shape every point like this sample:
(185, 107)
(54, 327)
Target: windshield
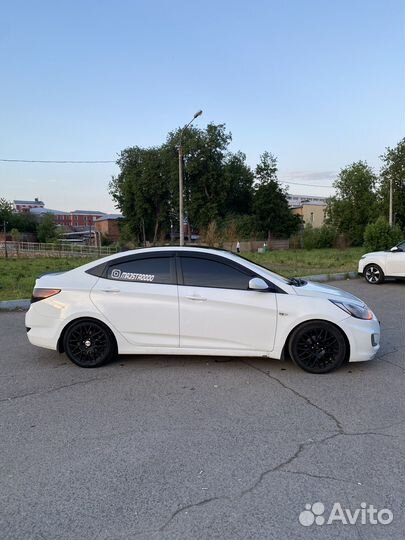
(261, 267)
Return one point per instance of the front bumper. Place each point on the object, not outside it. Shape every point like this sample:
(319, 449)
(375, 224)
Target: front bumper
(363, 336)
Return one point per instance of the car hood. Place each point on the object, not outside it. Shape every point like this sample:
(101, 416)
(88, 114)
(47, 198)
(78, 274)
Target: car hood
(325, 291)
(374, 253)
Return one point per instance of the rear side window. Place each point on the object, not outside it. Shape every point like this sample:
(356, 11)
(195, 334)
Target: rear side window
(200, 272)
(148, 270)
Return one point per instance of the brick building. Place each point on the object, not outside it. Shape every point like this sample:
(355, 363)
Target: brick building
(84, 218)
(77, 219)
(108, 226)
(24, 207)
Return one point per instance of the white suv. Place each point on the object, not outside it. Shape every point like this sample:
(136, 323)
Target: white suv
(378, 265)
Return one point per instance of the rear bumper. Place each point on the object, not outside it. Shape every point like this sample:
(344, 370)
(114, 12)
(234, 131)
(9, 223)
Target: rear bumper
(42, 331)
(363, 336)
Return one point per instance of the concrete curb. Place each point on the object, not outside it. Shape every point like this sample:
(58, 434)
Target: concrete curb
(14, 305)
(23, 305)
(332, 277)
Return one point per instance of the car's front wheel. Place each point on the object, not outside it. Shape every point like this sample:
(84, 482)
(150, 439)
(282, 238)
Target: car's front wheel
(89, 344)
(318, 347)
(373, 274)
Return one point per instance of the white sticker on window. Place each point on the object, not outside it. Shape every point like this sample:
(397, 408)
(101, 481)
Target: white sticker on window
(131, 276)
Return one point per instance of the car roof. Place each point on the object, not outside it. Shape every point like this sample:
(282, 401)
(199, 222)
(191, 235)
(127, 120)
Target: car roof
(157, 249)
(186, 249)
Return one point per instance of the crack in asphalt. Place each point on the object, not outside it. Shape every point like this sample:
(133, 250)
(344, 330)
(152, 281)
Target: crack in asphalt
(337, 423)
(339, 432)
(301, 447)
(188, 506)
(394, 364)
(293, 457)
(396, 349)
(383, 358)
(322, 477)
(50, 390)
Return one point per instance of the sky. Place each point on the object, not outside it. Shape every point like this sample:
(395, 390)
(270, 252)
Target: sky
(319, 83)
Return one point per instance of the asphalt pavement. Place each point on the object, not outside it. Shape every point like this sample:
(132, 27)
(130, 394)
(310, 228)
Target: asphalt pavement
(188, 448)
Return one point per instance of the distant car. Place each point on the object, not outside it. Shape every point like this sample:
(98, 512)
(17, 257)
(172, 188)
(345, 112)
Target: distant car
(378, 265)
(196, 301)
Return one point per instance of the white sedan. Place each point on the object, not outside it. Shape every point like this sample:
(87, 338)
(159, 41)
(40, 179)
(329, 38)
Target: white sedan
(197, 301)
(378, 265)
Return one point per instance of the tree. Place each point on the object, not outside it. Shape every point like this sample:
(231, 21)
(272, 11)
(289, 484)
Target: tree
(238, 182)
(394, 169)
(217, 183)
(47, 230)
(270, 204)
(6, 210)
(142, 191)
(23, 222)
(206, 186)
(355, 202)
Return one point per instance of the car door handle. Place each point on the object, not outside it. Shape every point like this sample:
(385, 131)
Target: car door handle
(111, 290)
(196, 297)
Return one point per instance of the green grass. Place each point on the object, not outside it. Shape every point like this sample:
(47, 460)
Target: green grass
(17, 276)
(300, 262)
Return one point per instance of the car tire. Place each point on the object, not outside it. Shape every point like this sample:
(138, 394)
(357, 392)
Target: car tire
(318, 347)
(373, 274)
(89, 343)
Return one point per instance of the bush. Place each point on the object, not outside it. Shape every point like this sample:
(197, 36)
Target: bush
(238, 227)
(380, 236)
(324, 237)
(212, 236)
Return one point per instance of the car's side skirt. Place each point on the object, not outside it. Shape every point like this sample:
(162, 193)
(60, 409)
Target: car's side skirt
(177, 351)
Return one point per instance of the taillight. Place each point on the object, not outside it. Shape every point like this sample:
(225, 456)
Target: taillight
(40, 294)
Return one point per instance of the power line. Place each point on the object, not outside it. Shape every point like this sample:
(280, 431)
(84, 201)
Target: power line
(53, 161)
(111, 161)
(305, 185)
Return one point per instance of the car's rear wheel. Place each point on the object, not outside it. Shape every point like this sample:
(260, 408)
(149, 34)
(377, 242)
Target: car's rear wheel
(89, 344)
(318, 347)
(373, 274)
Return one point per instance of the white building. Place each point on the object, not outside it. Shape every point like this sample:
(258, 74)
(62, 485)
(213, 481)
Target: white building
(299, 200)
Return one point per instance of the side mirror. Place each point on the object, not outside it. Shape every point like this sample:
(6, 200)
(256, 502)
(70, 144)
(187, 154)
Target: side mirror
(258, 284)
(395, 248)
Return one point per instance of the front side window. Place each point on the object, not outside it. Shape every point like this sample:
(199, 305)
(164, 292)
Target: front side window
(148, 270)
(198, 272)
(401, 246)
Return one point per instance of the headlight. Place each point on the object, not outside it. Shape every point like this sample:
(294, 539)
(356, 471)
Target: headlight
(360, 311)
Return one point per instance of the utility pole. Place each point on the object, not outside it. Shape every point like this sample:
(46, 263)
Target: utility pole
(390, 211)
(180, 150)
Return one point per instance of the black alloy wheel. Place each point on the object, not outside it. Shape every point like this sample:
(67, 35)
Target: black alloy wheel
(373, 274)
(318, 347)
(89, 344)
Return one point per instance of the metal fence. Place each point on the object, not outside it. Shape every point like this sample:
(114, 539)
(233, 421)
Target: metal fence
(36, 249)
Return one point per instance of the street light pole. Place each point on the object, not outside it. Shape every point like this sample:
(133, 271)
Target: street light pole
(180, 150)
(390, 210)
(181, 211)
